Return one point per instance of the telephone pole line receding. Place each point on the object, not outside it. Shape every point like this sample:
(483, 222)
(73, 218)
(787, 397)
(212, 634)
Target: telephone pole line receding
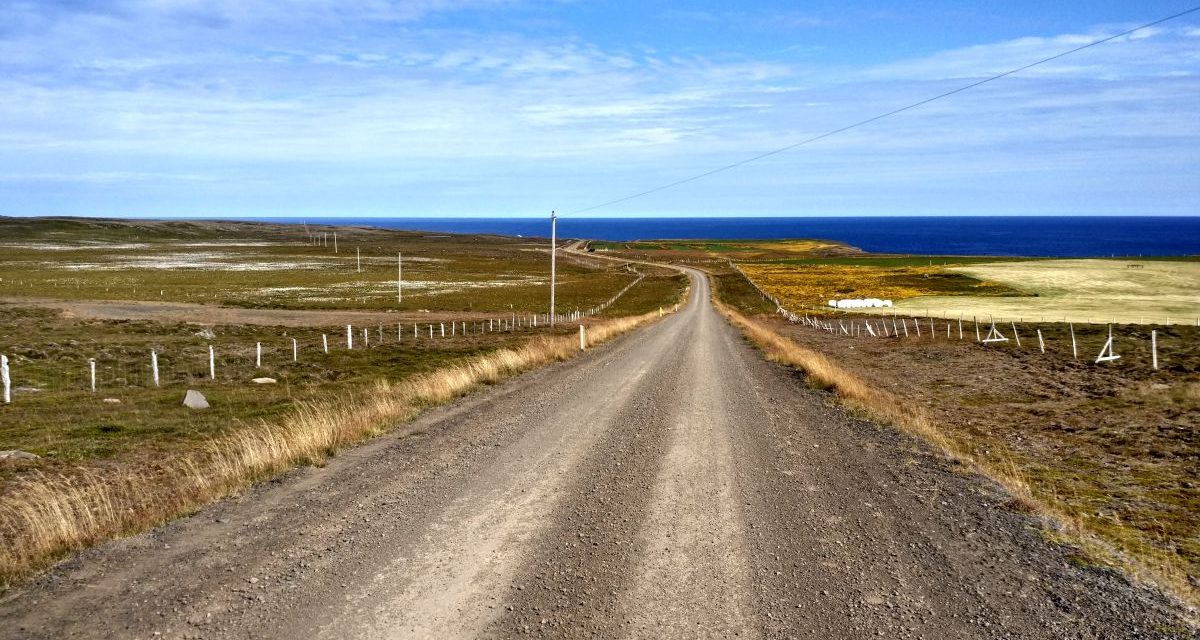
(553, 257)
(885, 115)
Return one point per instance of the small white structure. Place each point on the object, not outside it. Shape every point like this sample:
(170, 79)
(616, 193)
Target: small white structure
(860, 303)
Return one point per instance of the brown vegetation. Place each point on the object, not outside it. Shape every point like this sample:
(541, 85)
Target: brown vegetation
(988, 457)
(43, 516)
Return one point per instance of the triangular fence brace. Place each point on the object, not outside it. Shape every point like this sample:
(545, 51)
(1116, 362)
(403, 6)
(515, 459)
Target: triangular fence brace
(1107, 349)
(994, 335)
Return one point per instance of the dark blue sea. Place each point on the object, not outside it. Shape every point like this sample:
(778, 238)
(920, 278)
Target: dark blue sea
(969, 236)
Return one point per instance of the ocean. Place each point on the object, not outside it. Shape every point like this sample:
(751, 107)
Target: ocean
(967, 236)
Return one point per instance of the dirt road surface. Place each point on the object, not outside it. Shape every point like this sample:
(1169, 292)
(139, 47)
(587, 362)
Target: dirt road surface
(671, 484)
(207, 314)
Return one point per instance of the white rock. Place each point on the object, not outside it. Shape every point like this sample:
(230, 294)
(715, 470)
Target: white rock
(17, 454)
(263, 381)
(112, 400)
(194, 400)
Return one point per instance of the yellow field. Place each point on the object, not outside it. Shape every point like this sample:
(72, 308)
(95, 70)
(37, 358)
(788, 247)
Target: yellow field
(1078, 291)
(802, 287)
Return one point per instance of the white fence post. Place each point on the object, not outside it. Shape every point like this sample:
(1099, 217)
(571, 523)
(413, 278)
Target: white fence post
(1107, 349)
(582, 338)
(5, 380)
(1074, 349)
(92, 372)
(154, 366)
(349, 337)
(325, 342)
(1154, 347)
(212, 364)
(1041, 343)
(1015, 335)
(258, 355)
(366, 338)
(295, 351)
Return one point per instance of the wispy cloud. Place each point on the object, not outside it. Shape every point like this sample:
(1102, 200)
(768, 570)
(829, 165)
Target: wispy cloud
(353, 99)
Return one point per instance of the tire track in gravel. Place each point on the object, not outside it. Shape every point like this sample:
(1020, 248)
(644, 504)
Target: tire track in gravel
(670, 484)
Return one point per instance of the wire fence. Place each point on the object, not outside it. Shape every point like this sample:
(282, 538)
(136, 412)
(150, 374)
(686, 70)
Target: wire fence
(206, 359)
(1160, 347)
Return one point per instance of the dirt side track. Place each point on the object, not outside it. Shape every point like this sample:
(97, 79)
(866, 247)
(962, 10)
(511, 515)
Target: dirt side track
(670, 484)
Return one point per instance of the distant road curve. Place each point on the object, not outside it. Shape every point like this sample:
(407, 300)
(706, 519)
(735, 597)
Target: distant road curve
(670, 484)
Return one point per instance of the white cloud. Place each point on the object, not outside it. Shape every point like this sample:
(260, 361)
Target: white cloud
(158, 91)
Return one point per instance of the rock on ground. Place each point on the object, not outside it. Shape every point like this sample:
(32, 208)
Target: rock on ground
(195, 400)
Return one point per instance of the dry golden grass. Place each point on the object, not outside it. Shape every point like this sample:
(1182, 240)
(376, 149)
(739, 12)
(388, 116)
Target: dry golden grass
(45, 516)
(1156, 568)
(806, 286)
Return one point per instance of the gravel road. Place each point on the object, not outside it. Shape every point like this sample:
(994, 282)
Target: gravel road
(670, 484)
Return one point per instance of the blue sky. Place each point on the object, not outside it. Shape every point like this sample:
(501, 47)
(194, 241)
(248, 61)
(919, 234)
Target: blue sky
(516, 107)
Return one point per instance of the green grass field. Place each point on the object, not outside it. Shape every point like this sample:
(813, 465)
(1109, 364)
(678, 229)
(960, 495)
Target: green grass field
(447, 279)
(279, 267)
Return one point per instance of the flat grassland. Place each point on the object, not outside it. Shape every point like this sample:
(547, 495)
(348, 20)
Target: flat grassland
(1120, 290)
(273, 266)
(805, 274)
(112, 291)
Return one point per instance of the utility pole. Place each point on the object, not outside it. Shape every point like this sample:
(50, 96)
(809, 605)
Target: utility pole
(399, 277)
(553, 258)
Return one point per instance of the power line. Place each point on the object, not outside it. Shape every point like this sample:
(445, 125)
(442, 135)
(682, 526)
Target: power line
(885, 115)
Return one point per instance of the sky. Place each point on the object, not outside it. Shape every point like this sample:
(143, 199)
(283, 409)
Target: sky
(508, 108)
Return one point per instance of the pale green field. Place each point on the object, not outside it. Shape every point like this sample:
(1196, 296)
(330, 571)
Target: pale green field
(1155, 292)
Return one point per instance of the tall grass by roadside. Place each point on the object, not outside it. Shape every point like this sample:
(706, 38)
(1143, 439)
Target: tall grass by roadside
(45, 516)
(1159, 569)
